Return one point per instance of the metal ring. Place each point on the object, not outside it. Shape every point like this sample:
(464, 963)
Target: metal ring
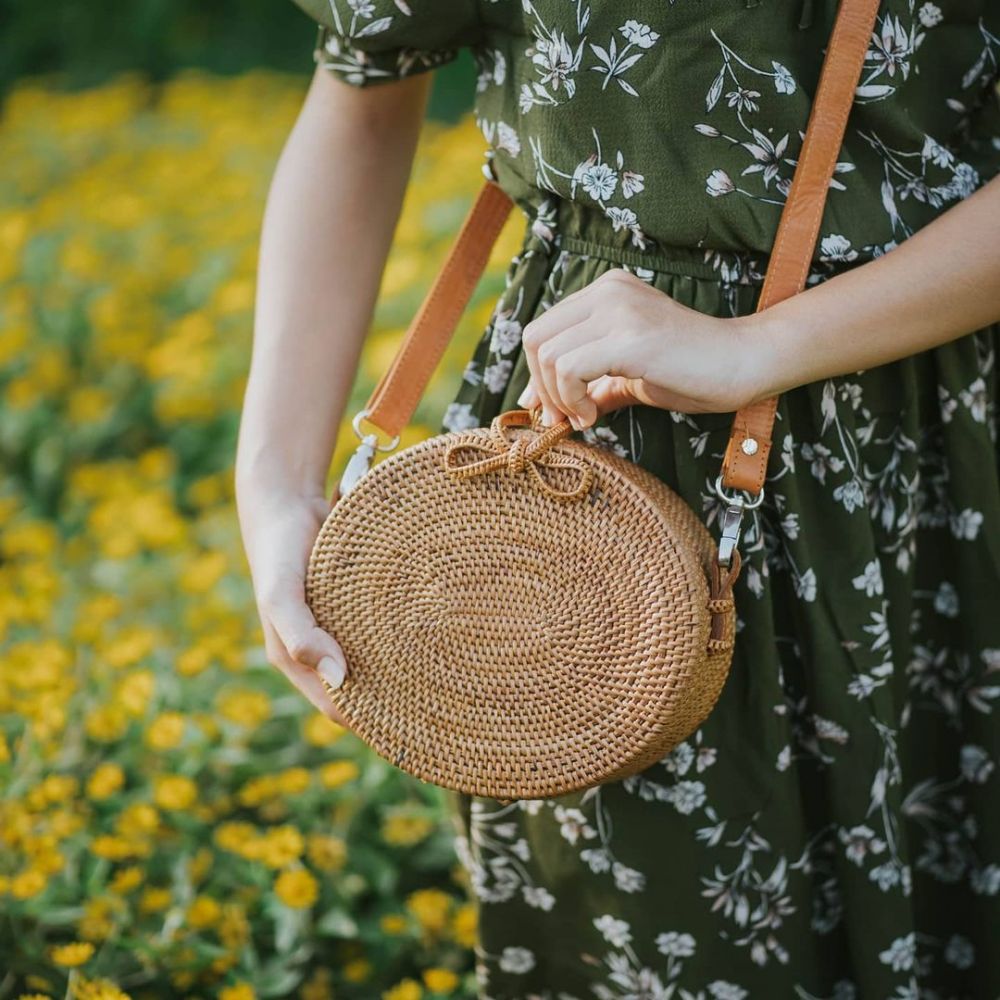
(358, 417)
(741, 501)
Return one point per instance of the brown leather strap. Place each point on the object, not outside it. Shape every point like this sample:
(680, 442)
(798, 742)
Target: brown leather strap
(745, 465)
(393, 401)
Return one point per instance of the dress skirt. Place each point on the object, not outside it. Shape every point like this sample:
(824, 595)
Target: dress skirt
(832, 830)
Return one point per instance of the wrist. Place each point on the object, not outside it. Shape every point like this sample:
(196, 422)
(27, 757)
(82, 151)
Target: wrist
(764, 354)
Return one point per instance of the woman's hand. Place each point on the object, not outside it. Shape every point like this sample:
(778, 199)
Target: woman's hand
(279, 529)
(620, 341)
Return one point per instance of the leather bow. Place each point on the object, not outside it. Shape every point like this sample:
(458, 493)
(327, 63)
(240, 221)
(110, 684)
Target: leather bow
(523, 454)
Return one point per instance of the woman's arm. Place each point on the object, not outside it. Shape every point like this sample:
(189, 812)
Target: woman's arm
(328, 224)
(941, 283)
(620, 341)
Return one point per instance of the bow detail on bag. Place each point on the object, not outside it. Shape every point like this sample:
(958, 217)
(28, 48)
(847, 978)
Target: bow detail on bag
(523, 454)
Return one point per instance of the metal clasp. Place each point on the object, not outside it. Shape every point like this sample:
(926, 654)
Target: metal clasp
(732, 519)
(360, 461)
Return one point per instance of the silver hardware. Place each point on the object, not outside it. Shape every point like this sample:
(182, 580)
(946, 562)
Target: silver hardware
(360, 461)
(358, 464)
(732, 518)
(356, 422)
(749, 446)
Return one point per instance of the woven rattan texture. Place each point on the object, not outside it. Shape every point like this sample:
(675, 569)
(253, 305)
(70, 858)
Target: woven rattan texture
(503, 643)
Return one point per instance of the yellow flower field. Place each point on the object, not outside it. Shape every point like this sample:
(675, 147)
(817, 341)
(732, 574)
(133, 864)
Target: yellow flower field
(161, 835)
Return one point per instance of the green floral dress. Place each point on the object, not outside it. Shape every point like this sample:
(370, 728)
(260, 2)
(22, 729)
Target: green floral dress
(833, 829)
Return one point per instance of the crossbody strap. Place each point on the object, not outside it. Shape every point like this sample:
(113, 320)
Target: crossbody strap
(394, 399)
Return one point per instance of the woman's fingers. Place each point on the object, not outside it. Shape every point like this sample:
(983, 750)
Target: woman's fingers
(301, 638)
(573, 309)
(302, 677)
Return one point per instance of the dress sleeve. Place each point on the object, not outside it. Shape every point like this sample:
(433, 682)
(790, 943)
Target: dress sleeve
(365, 42)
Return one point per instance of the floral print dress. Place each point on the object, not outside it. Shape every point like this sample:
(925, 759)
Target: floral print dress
(833, 828)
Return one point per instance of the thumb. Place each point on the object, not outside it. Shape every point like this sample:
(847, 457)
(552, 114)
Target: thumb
(304, 641)
(610, 392)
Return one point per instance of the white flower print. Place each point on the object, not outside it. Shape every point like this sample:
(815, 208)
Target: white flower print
(538, 896)
(959, 952)
(517, 960)
(614, 931)
(599, 180)
(597, 858)
(496, 376)
(977, 765)
(627, 879)
(966, 524)
(929, 14)
(860, 841)
(573, 824)
(837, 247)
(675, 943)
(719, 183)
(901, 954)
(459, 417)
(870, 580)
(613, 63)
(722, 990)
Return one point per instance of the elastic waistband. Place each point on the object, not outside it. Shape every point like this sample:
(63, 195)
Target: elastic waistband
(561, 224)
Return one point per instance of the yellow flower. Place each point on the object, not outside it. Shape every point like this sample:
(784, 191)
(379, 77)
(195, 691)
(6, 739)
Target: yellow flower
(234, 928)
(440, 980)
(203, 912)
(106, 779)
(153, 900)
(73, 954)
(318, 986)
(106, 723)
(320, 731)
(464, 925)
(175, 791)
(244, 707)
(107, 845)
(338, 772)
(139, 820)
(126, 880)
(135, 690)
(294, 780)
(166, 731)
(240, 991)
(234, 836)
(357, 970)
(97, 989)
(33, 996)
(430, 907)
(280, 846)
(326, 853)
(98, 920)
(296, 888)
(193, 661)
(203, 572)
(28, 883)
(402, 830)
(405, 989)
(393, 923)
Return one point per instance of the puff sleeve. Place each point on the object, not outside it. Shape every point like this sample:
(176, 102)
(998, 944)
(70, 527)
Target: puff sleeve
(365, 42)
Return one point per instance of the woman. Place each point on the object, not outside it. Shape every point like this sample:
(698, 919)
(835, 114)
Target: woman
(833, 829)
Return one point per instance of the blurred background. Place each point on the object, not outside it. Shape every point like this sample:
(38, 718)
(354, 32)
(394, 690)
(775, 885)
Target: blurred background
(175, 819)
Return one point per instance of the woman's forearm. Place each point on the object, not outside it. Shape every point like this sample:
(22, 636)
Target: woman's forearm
(328, 224)
(940, 283)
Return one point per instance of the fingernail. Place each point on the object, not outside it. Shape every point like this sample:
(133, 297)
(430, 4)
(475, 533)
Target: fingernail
(331, 671)
(548, 417)
(525, 396)
(574, 422)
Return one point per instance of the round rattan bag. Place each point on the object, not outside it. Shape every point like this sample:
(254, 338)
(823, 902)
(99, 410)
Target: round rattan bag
(523, 614)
